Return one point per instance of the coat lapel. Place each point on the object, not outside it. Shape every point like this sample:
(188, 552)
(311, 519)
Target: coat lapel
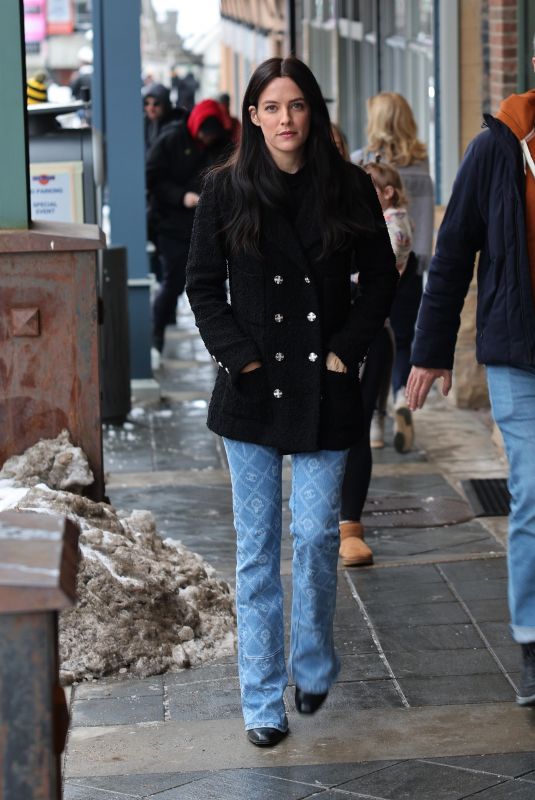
(307, 223)
(294, 239)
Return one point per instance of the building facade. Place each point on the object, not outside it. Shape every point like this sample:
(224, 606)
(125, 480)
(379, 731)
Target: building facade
(452, 59)
(251, 31)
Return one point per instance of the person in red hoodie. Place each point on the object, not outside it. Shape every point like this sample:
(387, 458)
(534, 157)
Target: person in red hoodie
(492, 210)
(176, 163)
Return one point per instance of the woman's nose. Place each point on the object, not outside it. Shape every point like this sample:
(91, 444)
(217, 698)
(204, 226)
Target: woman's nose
(285, 115)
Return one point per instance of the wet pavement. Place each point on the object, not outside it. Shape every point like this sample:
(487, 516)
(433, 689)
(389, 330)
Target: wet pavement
(424, 705)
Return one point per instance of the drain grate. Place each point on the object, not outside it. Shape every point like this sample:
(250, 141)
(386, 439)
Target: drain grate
(489, 497)
(413, 511)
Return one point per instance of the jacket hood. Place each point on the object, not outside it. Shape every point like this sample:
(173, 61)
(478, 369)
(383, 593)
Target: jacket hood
(159, 92)
(518, 112)
(201, 112)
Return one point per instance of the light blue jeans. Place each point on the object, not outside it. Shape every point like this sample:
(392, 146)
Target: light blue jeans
(512, 394)
(256, 474)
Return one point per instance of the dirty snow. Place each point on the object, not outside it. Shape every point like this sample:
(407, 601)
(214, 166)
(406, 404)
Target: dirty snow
(146, 605)
(55, 462)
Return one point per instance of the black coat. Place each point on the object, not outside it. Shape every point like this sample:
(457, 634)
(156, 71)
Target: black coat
(175, 165)
(486, 212)
(288, 310)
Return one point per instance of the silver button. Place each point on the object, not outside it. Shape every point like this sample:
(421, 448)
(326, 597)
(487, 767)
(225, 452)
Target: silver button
(278, 317)
(277, 393)
(219, 364)
(278, 279)
(279, 356)
(307, 279)
(311, 317)
(312, 356)
(227, 370)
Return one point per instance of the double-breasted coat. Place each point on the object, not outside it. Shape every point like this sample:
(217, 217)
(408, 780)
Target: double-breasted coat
(288, 308)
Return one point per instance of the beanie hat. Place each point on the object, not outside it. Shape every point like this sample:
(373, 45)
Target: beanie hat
(201, 112)
(36, 91)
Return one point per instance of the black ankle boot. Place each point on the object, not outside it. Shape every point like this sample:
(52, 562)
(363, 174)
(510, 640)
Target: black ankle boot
(526, 690)
(306, 702)
(266, 737)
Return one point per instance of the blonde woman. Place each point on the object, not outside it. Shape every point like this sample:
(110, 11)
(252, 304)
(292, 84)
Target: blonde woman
(393, 137)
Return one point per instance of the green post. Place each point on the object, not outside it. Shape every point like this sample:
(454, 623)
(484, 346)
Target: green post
(14, 194)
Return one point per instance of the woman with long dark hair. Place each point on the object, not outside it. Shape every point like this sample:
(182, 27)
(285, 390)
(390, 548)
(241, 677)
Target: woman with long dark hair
(287, 220)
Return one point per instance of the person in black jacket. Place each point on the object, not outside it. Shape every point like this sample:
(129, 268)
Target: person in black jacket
(158, 112)
(175, 165)
(287, 220)
(492, 210)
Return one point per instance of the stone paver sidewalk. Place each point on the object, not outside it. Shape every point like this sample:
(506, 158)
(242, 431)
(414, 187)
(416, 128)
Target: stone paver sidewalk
(424, 706)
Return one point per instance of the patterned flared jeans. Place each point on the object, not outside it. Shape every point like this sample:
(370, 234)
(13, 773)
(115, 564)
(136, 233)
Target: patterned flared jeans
(256, 473)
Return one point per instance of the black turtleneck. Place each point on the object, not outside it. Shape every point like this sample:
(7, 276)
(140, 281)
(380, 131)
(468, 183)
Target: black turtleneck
(297, 184)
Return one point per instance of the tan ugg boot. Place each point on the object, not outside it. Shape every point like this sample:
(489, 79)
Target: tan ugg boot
(354, 551)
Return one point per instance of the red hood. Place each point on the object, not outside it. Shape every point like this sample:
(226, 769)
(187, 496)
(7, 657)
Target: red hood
(201, 112)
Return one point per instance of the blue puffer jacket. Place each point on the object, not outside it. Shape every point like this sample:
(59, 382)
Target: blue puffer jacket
(486, 213)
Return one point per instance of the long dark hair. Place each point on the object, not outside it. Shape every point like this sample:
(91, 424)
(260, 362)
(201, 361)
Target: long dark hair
(252, 180)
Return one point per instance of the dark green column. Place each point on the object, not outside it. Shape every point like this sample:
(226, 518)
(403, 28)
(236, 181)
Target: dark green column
(14, 200)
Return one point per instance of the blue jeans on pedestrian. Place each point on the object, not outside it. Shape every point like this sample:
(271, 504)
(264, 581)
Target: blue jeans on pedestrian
(512, 394)
(256, 474)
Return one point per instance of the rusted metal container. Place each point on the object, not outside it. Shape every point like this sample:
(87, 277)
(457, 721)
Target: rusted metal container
(49, 355)
(38, 565)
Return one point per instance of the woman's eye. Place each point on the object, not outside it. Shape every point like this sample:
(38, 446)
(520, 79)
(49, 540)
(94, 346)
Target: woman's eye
(271, 108)
(299, 106)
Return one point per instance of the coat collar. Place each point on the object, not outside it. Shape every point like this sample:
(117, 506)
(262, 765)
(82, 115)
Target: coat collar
(295, 239)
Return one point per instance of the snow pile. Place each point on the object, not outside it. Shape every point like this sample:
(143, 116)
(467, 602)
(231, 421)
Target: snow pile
(55, 462)
(145, 604)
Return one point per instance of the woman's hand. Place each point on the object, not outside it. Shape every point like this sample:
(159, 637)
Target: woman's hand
(191, 199)
(251, 366)
(334, 364)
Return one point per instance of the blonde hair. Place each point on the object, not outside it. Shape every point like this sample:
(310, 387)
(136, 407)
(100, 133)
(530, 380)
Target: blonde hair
(338, 134)
(386, 175)
(392, 130)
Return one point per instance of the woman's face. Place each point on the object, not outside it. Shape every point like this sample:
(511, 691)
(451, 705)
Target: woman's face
(283, 114)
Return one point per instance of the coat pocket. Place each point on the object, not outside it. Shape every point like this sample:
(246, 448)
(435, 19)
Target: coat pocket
(249, 398)
(341, 420)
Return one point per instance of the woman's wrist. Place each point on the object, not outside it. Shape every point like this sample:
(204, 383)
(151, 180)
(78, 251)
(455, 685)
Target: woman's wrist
(251, 366)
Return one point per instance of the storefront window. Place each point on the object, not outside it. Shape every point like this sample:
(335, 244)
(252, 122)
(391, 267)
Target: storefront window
(319, 10)
(349, 9)
(82, 14)
(400, 17)
(383, 45)
(425, 17)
